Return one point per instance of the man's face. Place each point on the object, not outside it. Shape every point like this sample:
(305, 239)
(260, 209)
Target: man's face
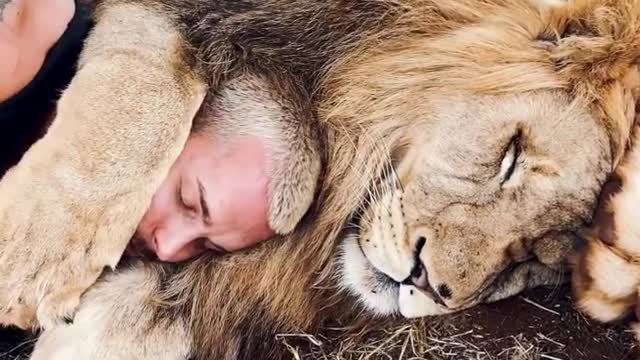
(214, 198)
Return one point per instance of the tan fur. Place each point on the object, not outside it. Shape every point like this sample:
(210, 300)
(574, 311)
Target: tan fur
(68, 210)
(136, 298)
(417, 114)
(607, 272)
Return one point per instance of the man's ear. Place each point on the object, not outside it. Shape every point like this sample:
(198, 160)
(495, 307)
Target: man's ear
(595, 47)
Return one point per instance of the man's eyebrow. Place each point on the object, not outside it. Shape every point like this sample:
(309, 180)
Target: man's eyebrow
(203, 202)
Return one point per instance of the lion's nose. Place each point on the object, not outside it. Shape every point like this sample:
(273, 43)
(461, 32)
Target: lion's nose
(419, 278)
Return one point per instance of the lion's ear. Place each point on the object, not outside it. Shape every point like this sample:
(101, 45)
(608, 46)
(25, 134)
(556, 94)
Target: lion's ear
(595, 48)
(597, 41)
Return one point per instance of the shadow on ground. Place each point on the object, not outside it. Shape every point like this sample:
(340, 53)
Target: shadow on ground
(540, 324)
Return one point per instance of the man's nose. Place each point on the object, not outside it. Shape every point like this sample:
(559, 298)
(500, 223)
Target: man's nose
(178, 243)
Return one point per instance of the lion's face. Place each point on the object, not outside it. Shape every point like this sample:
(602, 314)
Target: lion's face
(487, 185)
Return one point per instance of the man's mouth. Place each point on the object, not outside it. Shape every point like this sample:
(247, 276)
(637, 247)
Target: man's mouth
(137, 248)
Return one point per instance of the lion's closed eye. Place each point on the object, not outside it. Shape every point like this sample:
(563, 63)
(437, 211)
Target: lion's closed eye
(511, 159)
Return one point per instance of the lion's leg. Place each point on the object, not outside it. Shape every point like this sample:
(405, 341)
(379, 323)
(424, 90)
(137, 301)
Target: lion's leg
(68, 209)
(607, 275)
(117, 321)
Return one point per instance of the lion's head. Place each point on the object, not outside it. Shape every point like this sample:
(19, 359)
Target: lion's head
(502, 121)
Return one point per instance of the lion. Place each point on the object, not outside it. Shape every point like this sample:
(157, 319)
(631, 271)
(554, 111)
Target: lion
(606, 275)
(464, 143)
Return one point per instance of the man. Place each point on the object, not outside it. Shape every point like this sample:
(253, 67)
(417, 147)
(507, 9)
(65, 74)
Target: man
(215, 195)
(40, 41)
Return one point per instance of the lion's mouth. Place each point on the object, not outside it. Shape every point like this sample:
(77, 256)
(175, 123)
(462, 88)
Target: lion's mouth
(404, 290)
(511, 280)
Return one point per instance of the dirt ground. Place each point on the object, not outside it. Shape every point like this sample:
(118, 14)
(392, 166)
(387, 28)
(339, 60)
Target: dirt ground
(540, 324)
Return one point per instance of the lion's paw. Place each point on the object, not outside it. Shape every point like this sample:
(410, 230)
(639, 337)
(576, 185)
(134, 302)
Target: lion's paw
(116, 321)
(20, 316)
(606, 276)
(605, 282)
(54, 244)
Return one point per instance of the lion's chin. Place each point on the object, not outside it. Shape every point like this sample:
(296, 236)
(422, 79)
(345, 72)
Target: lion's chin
(522, 276)
(413, 303)
(384, 296)
(376, 291)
